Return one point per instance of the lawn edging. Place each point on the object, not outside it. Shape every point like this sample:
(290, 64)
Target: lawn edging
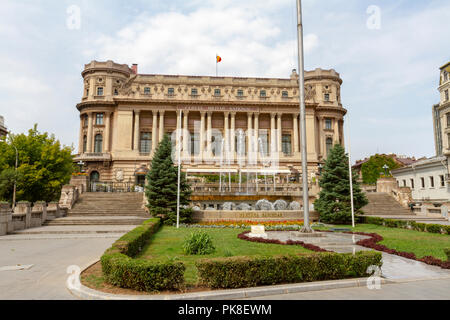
(407, 224)
(373, 244)
(120, 269)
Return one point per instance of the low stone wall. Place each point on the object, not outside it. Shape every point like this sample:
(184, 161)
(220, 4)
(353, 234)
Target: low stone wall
(26, 216)
(236, 215)
(403, 195)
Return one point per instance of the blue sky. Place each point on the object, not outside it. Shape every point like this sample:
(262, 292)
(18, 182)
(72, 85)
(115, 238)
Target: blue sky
(390, 74)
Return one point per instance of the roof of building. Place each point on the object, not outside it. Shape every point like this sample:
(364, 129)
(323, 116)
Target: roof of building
(401, 160)
(445, 65)
(422, 162)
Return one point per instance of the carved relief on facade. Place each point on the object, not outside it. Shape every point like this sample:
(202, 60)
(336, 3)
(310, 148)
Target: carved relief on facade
(126, 88)
(118, 175)
(310, 92)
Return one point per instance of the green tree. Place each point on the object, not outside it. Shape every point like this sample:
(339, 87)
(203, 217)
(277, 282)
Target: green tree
(334, 203)
(44, 166)
(371, 169)
(161, 189)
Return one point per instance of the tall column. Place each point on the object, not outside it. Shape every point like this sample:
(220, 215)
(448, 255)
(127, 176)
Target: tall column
(202, 135)
(186, 133)
(232, 135)
(107, 131)
(310, 137)
(280, 133)
(226, 132)
(296, 146)
(209, 135)
(273, 143)
(256, 133)
(137, 130)
(81, 135)
(249, 134)
(341, 126)
(89, 137)
(322, 137)
(154, 128)
(161, 126)
(179, 133)
(336, 130)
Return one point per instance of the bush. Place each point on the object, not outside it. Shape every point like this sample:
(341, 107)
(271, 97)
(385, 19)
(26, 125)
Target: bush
(121, 270)
(420, 226)
(198, 243)
(447, 252)
(390, 223)
(239, 272)
(433, 228)
(374, 220)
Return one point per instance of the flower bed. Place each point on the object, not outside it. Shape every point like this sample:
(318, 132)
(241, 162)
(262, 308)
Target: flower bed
(373, 244)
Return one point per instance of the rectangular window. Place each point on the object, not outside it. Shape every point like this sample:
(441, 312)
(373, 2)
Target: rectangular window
(116, 92)
(412, 183)
(445, 76)
(286, 144)
(441, 178)
(87, 92)
(99, 119)
(328, 124)
(217, 92)
(422, 180)
(263, 142)
(446, 95)
(194, 92)
(146, 142)
(85, 120)
(284, 94)
(327, 97)
(431, 182)
(146, 90)
(240, 93)
(262, 93)
(404, 183)
(195, 144)
(171, 91)
(448, 120)
(100, 91)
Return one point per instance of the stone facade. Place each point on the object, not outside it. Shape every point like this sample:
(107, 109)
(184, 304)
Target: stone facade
(225, 122)
(3, 130)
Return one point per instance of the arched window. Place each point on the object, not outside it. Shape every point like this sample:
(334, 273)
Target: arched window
(329, 145)
(84, 144)
(95, 176)
(98, 146)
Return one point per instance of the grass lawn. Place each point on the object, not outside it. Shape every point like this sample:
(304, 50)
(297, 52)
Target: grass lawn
(420, 243)
(167, 244)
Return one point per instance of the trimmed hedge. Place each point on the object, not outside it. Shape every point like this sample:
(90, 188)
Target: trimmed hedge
(407, 224)
(239, 272)
(120, 269)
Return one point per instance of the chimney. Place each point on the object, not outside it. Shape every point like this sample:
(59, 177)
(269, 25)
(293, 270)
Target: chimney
(135, 68)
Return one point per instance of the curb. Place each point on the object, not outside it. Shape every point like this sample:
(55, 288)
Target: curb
(82, 292)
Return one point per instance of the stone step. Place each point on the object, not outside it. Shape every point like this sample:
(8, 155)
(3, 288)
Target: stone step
(94, 222)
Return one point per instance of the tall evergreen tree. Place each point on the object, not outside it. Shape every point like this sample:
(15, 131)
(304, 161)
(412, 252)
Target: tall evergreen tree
(334, 204)
(161, 188)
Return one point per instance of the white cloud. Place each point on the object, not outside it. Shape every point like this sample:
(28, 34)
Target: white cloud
(249, 43)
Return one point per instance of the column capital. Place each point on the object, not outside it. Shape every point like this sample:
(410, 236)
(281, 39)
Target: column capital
(272, 115)
(256, 114)
(226, 113)
(108, 113)
(202, 113)
(295, 114)
(209, 113)
(161, 112)
(279, 114)
(137, 111)
(178, 112)
(233, 113)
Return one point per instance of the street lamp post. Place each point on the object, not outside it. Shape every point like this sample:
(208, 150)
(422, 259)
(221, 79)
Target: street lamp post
(385, 167)
(81, 164)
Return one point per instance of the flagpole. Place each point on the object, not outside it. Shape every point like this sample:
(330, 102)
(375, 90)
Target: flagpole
(350, 174)
(301, 82)
(179, 171)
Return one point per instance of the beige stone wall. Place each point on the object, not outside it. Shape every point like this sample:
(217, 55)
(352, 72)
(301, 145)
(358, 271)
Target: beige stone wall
(132, 104)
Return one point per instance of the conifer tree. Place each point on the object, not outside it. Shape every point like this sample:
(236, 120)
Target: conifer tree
(161, 188)
(334, 204)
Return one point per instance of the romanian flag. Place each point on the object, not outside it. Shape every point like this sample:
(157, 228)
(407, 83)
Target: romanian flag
(218, 59)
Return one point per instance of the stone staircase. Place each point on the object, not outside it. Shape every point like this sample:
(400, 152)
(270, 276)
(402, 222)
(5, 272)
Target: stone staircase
(98, 208)
(383, 204)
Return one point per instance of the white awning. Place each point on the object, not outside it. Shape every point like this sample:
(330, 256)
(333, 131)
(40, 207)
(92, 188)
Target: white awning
(267, 171)
(214, 170)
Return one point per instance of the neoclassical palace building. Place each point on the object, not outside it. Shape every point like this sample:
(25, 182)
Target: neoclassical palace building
(226, 124)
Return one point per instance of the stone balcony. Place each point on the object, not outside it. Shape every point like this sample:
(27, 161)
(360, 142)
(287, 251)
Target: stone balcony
(93, 157)
(284, 189)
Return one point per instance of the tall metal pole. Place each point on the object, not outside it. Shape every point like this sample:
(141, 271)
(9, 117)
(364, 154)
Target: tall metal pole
(179, 171)
(301, 83)
(350, 174)
(15, 179)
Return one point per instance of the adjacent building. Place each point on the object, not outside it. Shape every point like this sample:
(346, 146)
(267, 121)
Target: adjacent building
(3, 130)
(226, 124)
(429, 179)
